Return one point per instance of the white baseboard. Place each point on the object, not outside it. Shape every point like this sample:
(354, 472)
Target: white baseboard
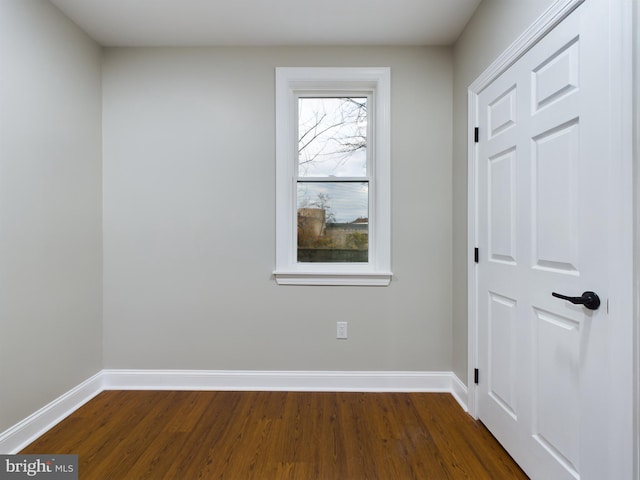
(313, 381)
(459, 391)
(24, 432)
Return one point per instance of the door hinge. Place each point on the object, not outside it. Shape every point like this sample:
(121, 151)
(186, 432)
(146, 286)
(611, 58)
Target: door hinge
(476, 255)
(476, 134)
(476, 375)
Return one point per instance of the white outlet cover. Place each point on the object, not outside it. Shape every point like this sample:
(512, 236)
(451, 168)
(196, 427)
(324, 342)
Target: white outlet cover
(341, 330)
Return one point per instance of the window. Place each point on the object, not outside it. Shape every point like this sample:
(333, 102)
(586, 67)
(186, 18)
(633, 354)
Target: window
(332, 178)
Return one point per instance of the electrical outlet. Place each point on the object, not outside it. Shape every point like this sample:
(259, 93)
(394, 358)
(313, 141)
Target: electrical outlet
(341, 330)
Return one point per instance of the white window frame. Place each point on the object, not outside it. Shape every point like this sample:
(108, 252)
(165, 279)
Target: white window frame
(292, 82)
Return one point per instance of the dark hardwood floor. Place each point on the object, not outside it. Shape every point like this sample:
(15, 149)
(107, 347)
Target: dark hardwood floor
(156, 435)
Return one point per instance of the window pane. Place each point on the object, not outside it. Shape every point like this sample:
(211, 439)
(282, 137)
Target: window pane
(333, 222)
(332, 137)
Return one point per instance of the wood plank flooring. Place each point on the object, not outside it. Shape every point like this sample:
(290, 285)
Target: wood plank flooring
(135, 435)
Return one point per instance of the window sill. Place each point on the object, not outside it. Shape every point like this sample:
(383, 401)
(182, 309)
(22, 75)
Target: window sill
(334, 279)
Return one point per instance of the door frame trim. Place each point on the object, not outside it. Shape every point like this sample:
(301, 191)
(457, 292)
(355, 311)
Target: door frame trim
(625, 44)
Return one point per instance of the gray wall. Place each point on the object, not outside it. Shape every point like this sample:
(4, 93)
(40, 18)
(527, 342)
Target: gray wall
(494, 26)
(189, 218)
(50, 207)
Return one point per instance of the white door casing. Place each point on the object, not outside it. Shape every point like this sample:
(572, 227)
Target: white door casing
(548, 201)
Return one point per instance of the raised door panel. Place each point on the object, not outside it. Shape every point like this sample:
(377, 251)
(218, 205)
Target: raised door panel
(555, 191)
(556, 388)
(557, 76)
(502, 207)
(502, 379)
(502, 112)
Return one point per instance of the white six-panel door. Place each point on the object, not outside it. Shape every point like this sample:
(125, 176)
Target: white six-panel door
(542, 171)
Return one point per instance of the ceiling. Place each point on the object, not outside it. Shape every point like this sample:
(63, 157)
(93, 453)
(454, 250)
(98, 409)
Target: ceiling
(270, 22)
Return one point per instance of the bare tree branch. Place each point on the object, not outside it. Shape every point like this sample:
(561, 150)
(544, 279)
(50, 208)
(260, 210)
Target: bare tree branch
(334, 139)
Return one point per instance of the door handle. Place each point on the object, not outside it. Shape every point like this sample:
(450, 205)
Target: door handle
(589, 299)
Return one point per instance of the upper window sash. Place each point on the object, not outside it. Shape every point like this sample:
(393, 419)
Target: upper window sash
(337, 95)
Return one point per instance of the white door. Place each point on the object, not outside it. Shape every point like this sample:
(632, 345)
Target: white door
(542, 193)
